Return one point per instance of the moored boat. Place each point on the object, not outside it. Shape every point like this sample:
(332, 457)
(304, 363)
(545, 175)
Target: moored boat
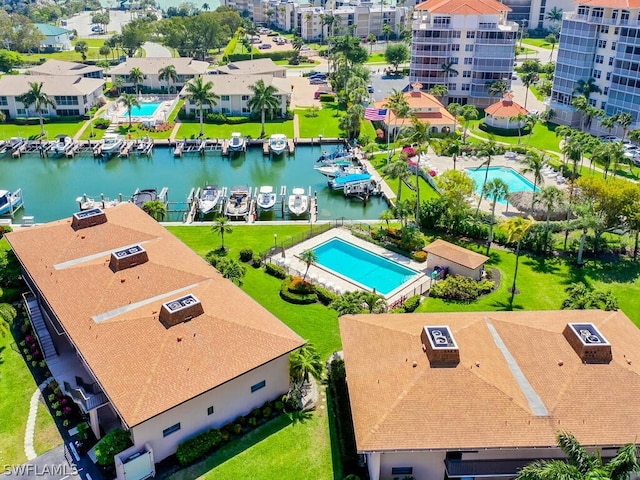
(339, 168)
(237, 142)
(298, 201)
(339, 183)
(111, 144)
(62, 145)
(266, 198)
(277, 143)
(238, 203)
(338, 154)
(140, 197)
(9, 202)
(209, 198)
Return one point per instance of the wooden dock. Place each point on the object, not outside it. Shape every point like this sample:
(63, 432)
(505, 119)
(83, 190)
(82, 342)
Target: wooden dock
(291, 146)
(177, 151)
(126, 149)
(265, 147)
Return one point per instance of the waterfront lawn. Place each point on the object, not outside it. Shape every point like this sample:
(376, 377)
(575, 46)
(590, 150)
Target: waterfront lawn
(379, 161)
(544, 136)
(325, 123)
(191, 129)
(52, 129)
(98, 133)
(377, 58)
(287, 448)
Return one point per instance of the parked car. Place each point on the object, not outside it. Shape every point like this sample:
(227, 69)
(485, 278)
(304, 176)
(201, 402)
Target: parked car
(321, 75)
(304, 48)
(317, 81)
(264, 46)
(370, 89)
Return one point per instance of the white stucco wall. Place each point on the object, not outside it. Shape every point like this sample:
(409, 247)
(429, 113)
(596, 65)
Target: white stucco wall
(229, 401)
(454, 268)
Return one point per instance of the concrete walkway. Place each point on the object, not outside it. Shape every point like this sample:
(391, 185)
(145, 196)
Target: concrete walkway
(296, 126)
(29, 450)
(87, 124)
(156, 50)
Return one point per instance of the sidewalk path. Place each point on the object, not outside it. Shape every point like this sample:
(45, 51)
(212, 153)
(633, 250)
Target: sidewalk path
(29, 450)
(87, 124)
(156, 50)
(296, 126)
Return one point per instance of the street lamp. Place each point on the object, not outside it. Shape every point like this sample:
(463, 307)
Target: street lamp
(275, 241)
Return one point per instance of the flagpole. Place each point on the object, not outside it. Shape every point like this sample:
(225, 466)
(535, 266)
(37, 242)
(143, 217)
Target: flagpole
(388, 133)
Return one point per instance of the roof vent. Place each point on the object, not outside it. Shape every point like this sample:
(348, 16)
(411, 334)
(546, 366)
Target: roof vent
(441, 347)
(88, 218)
(127, 258)
(180, 310)
(588, 342)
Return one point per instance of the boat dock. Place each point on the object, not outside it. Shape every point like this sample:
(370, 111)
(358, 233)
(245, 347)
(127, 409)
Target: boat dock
(291, 147)
(126, 148)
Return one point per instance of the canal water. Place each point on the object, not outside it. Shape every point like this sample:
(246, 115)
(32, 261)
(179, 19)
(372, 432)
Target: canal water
(51, 185)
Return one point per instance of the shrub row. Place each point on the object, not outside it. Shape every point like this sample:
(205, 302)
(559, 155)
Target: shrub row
(246, 254)
(281, 55)
(457, 288)
(411, 304)
(197, 447)
(292, 291)
(275, 270)
(327, 97)
(325, 297)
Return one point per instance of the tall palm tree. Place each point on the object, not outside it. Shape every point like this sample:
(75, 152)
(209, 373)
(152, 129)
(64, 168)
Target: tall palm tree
(201, 93)
(221, 226)
(136, 77)
(551, 39)
(455, 109)
(375, 303)
(439, 91)
(169, 74)
(489, 150)
(634, 135)
(497, 190)
(609, 123)
(371, 38)
(468, 112)
(497, 88)
(309, 257)
(580, 465)
(82, 48)
(398, 169)
(519, 120)
(41, 101)
(418, 133)
(528, 79)
(448, 71)
(400, 107)
(305, 363)
(616, 153)
(534, 162)
(453, 148)
(517, 228)
(551, 198)
(130, 100)
(586, 88)
(264, 100)
(625, 120)
(554, 15)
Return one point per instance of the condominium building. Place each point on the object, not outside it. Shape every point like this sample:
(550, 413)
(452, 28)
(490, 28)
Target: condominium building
(472, 37)
(601, 40)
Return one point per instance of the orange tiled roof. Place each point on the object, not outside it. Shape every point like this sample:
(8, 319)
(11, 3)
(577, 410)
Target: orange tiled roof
(610, 3)
(479, 403)
(440, 115)
(505, 108)
(455, 253)
(464, 7)
(143, 367)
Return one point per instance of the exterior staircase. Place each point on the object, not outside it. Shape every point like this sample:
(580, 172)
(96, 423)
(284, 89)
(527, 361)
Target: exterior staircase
(40, 329)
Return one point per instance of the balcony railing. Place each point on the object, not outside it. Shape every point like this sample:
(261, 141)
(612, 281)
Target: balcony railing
(601, 20)
(88, 401)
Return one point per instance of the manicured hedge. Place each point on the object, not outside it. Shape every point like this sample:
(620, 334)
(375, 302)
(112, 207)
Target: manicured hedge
(327, 97)
(246, 254)
(197, 447)
(275, 270)
(411, 303)
(281, 55)
(457, 288)
(295, 297)
(325, 297)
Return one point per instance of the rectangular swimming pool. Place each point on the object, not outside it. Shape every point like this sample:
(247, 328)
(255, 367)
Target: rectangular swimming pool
(515, 181)
(363, 267)
(146, 109)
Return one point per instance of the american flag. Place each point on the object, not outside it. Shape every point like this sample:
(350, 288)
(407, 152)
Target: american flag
(372, 113)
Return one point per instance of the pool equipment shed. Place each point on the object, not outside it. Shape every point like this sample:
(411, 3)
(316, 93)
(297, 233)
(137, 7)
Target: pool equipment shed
(459, 260)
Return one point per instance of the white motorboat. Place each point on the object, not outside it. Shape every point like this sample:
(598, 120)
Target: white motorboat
(144, 146)
(298, 201)
(209, 198)
(266, 198)
(62, 145)
(9, 202)
(140, 197)
(339, 183)
(237, 142)
(112, 144)
(338, 154)
(238, 203)
(339, 168)
(277, 143)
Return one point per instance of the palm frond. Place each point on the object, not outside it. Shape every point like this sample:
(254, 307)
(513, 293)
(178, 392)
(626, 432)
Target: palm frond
(576, 454)
(625, 462)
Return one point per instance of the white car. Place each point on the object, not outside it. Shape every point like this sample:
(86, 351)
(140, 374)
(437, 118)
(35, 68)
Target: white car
(304, 48)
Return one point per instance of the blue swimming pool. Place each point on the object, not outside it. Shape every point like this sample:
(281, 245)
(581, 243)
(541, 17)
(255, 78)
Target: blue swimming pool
(146, 109)
(363, 267)
(515, 181)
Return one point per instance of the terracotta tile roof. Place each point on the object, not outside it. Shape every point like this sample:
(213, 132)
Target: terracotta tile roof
(610, 3)
(151, 65)
(479, 403)
(463, 7)
(143, 367)
(438, 114)
(460, 255)
(505, 108)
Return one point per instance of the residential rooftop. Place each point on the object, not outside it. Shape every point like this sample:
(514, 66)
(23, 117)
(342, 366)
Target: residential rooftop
(506, 107)
(610, 3)
(517, 382)
(239, 84)
(151, 65)
(60, 67)
(423, 105)
(456, 254)
(51, 84)
(49, 30)
(463, 7)
(112, 315)
(259, 66)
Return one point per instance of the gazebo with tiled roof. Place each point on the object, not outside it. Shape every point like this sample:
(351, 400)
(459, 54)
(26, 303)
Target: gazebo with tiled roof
(502, 114)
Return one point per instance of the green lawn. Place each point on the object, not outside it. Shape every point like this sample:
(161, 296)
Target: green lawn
(47, 435)
(282, 449)
(377, 58)
(537, 42)
(426, 190)
(8, 130)
(544, 136)
(191, 129)
(71, 55)
(325, 123)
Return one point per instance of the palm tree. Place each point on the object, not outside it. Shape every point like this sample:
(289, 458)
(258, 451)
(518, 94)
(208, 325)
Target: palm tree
(136, 77)
(488, 149)
(387, 30)
(534, 162)
(528, 79)
(551, 198)
(555, 14)
(400, 107)
(616, 153)
(551, 39)
(468, 112)
(221, 226)
(35, 96)
(105, 51)
(375, 302)
(169, 74)
(7, 315)
(439, 91)
(586, 88)
(455, 109)
(387, 216)
(201, 94)
(580, 465)
(497, 88)
(304, 364)
(398, 169)
(519, 120)
(309, 257)
(448, 71)
(118, 83)
(453, 148)
(418, 133)
(263, 100)
(609, 123)
(232, 270)
(634, 135)
(497, 190)
(625, 120)
(130, 100)
(156, 209)
(517, 228)
(371, 38)
(82, 48)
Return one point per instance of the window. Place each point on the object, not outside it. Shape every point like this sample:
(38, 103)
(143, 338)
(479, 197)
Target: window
(454, 60)
(616, 30)
(455, 48)
(603, 105)
(604, 29)
(456, 34)
(210, 410)
(602, 44)
(466, 87)
(468, 61)
(597, 74)
(592, 102)
(466, 74)
(21, 111)
(608, 75)
(401, 470)
(610, 61)
(599, 59)
(441, 21)
(468, 48)
(225, 110)
(258, 386)
(3, 101)
(168, 431)
(605, 91)
(245, 98)
(613, 45)
(246, 110)
(224, 98)
(471, 34)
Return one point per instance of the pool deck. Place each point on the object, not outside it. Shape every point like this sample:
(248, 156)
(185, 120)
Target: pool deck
(290, 260)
